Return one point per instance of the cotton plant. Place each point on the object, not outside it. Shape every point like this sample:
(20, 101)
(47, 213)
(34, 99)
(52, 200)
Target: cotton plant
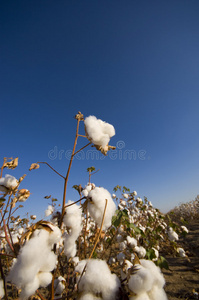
(73, 224)
(145, 281)
(99, 133)
(35, 261)
(97, 198)
(94, 279)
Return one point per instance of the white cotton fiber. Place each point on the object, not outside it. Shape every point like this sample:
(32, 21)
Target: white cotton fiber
(88, 296)
(156, 273)
(73, 222)
(34, 262)
(29, 288)
(45, 278)
(141, 281)
(96, 206)
(10, 182)
(131, 241)
(157, 293)
(98, 131)
(142, 296)
(97, 278)
(2, 292)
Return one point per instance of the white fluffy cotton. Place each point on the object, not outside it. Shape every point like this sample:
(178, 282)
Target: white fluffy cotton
(97, 199)
(73, 222)
(172, 235)
(98, 131)
(97, 278)
(2, 292)
(8, 182)
(35, 262)
(147, 282)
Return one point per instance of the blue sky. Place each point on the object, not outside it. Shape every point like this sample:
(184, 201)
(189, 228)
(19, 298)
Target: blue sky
(134, 64)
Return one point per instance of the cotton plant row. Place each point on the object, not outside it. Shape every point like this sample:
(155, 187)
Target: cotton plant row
(186, 211)
(98, 247)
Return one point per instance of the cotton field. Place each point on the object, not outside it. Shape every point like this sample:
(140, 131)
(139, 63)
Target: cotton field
(101, 245)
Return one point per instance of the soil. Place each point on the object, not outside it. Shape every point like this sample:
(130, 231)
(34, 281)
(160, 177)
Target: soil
(182, 278)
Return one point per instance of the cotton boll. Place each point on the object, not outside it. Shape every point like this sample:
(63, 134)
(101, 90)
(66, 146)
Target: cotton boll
(88, 296)
(181, 252)
(10, 182)
(157, 293)
(98, 279)
(59, 285)
(96, 206)
(119, 238)
(49, 210)
(172, 235)
(142, 296)
(156, 274)
(45, 278)
(85, 193)
(125, 196)
(122, 246)
(55, 235)
(2, 292)
(99, 132)
(75, 260)
(29, 289)
(141, 251)
(131, 241)
(113, 196)
(120, 257)
(184, 228)
(141, 281)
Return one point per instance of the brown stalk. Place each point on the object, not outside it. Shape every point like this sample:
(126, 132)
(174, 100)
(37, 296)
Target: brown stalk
(6, 235)
(44, 162)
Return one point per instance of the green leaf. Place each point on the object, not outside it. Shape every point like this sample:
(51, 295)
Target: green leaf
(136, 229)
(90, 169)
(162, 263)
(150, 254)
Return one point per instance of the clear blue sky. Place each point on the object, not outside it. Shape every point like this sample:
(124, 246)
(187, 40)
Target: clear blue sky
(134, 64)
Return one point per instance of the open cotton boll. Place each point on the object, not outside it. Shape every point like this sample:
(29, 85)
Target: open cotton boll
(141, 281)
(141, 251)
(158, 278)
(29, 288)
(98, 131)
(45, 278)
(97, 279)
(157, 293)
(34, 257)
(121, 257)
(59, 285)
(89, 296)
(96, 206)
(55, 235)
(142, 296)
(125, 196)
(10, 182)
(181, 252)
(85, 193)
(73, 217)
(131, 241)
(2, 292)
(49, 210)
(172, 235)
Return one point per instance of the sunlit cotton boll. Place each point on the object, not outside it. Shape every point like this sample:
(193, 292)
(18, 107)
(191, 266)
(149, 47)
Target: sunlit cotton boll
(98, 131)
(125, 196)
(141, 251)
(172, 235)
(132, 242)
(49, 210)
(181, 252)
(34, 257)
(141, 281)
(142, 296)
(2, 292)
(96, 206)
(98, 279)
(8, 182)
